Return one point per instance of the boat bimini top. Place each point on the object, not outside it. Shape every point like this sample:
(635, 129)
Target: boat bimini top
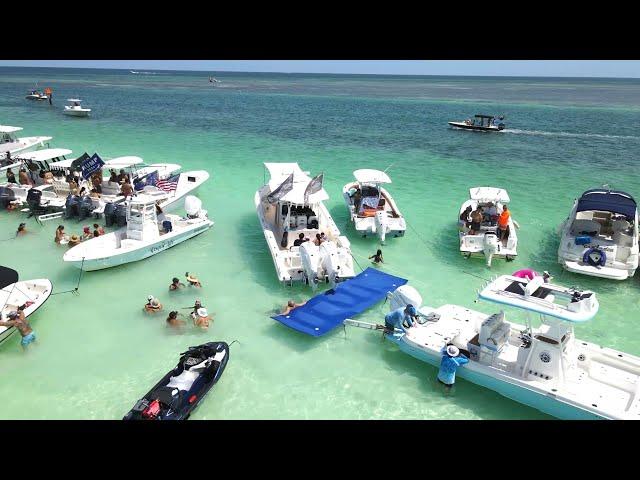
(280, 173)
(122, 162)
(367, 175)
(564, 303)
(8, 276)
(604, 200)
(9, 129)
(489, 194)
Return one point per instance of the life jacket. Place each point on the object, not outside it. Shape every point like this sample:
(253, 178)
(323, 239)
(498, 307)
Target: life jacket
(152, 410)
(503, 220)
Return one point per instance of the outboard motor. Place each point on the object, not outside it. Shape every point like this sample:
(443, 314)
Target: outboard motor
(193, 207)
(34, 199)
(490, 246)
(6, 196)
(109, 214)
(381, 222)
(310, 259)
(403, 296)
(329, 261)
(121, 215)
(85, 207)
(71, 206)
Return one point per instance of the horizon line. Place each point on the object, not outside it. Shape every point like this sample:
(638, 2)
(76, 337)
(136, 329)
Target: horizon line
(321, 73)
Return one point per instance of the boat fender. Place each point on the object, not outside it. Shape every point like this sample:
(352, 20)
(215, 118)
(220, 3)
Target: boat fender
(285, 239)
(595, 257)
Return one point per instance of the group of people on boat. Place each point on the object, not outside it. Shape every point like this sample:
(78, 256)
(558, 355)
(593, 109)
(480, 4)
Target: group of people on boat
(367, 202)
(62, 238)
(317, 241)
(471, 220)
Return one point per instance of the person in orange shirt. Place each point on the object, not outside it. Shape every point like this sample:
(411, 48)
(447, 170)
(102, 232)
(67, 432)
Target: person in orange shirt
(49, 93)
(503, 223)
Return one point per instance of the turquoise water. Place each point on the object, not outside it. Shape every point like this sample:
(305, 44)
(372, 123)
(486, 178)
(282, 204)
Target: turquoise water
(97, 353)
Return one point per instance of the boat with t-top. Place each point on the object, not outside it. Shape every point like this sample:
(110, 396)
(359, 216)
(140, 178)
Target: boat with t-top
(481, 123)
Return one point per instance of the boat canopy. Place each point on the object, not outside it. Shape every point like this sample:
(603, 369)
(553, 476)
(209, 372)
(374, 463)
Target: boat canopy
(46, 154)
(367, 175)
(8, 129)
(8, 276)
(326, 311)
(281, 171)
(74, 100)
(484, 116)
(489, 194)
(123, 162)
(607, 201)
(547, 299)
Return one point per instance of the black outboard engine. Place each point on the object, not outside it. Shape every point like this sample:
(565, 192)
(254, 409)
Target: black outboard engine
(85, 207)
(71, 206)
(121, 215)
(110, 214)
(6, 196)
(34, 198)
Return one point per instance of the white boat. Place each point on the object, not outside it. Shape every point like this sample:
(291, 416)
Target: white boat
(18, 293)
(170, 189)
(485, 123)
(377, 212)
(600, 236)
(11, 143)
(544, 367)
(36, 95)
(75, 109)
(144, 235)
(484, 242)
(291, 203)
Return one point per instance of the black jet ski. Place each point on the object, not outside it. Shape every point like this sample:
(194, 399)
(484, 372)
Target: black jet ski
(181, 390)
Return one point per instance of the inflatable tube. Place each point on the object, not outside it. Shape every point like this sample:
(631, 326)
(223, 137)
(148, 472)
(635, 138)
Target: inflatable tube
(526, 273)
(595, 257)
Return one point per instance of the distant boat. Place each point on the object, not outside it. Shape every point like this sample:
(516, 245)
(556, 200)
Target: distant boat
(75, 109)
(214, 80)
(485, 123)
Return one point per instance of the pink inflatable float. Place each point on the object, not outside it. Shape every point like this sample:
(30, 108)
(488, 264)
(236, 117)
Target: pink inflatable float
(526, 273)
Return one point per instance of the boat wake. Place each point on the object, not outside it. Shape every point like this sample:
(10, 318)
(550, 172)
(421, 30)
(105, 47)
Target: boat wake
(569, 134)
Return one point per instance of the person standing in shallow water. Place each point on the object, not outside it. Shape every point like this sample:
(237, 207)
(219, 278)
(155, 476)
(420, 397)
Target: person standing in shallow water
(18, 320)
(451, 360)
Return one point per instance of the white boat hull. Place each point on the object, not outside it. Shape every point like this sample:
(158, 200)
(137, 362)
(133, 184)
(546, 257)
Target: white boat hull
(37, 291)
(127, 255)
(77, 112)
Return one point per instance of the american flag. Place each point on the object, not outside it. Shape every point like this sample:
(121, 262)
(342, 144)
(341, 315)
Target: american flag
(168, 184)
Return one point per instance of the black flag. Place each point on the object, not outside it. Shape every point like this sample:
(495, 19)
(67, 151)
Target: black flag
(315, 185)
(281, 191)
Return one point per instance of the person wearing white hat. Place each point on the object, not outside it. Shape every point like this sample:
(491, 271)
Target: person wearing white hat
(451, 360)
(202, 318)
(397, 318)
(153, 305)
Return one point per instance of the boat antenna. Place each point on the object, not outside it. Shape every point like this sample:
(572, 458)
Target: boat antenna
(385, 170)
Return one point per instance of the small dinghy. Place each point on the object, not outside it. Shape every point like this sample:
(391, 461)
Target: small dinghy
(32, 293)
(181, 390)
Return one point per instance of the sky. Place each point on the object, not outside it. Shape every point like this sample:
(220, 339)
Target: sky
(542, 68)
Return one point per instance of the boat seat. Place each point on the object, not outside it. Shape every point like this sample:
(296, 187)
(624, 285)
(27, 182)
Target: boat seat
(622, 239)
(585, 226)
(302, 221)
(620, 226)
(312, 221)
(494, 332)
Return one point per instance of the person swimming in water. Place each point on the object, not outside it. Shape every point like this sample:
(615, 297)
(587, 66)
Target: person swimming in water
(377, 258)
(152, 305)
(18, 320)
(21, 229)
(290, 306)
(174, 321)
(193, 280)
(176, 284)
(202, 318)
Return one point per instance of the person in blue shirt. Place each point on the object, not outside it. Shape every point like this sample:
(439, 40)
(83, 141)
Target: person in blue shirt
(396, 318)
(451, 360)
